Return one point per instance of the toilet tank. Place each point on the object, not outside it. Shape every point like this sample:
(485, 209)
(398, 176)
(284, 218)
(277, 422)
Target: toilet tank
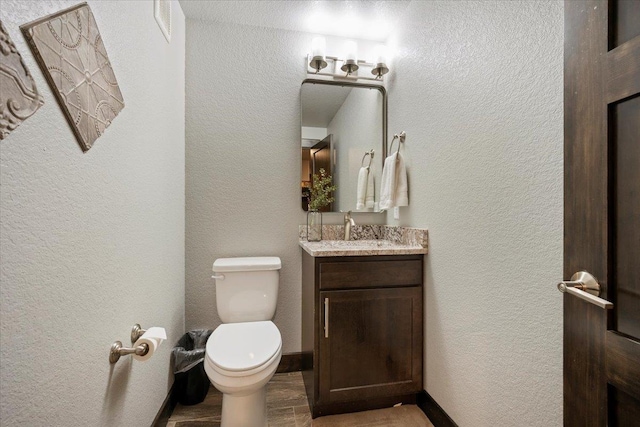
(246, 288)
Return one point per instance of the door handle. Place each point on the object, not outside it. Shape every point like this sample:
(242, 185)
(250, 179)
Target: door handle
(584, 286)
(326, 317)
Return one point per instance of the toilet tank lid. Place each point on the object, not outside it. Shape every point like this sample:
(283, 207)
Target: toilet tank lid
(247, 264)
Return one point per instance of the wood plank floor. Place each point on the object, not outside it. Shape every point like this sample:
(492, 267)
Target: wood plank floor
(287, 407)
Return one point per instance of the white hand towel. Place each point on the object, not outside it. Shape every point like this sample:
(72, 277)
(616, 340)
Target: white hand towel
(361, 192)
(401, 194)
(370, 198)
(394, 189)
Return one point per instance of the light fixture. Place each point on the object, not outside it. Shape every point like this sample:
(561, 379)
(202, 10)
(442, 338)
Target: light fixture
(380, 68)
(318, 61)
(350, 57)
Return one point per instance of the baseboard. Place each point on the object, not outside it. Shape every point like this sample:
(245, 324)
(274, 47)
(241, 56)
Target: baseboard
(163, 415)
(433, 411)
(291, 362)
(362, 405)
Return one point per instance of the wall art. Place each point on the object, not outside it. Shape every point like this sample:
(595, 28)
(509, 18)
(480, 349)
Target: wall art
(19, 97)
(72, 55)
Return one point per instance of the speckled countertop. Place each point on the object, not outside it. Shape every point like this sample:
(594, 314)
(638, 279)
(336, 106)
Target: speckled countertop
(326, 248)
(367, 240)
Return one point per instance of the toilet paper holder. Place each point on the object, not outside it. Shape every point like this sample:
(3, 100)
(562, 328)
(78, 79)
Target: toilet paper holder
(136, 332)
(117, 350)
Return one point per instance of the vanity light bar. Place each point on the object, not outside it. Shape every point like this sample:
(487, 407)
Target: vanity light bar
(350, 65)
(335, 63)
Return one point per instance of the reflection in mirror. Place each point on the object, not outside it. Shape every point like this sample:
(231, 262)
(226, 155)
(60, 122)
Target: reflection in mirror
(341, 123)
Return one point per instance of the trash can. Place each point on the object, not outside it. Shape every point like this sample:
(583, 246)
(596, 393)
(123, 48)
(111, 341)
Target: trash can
(191, 382)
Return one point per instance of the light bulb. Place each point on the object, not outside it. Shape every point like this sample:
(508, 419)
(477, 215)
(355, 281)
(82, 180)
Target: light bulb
(381, 54)
(318, 47)
(380, 68)
(351, 51)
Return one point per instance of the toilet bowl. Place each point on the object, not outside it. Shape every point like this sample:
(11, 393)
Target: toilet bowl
(243, 353)
(240, 360)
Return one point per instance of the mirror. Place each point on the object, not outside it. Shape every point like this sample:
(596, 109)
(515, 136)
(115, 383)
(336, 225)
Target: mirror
(343, 131)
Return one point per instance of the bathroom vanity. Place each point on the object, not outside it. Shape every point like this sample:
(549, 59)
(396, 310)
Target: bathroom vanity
(362, 324)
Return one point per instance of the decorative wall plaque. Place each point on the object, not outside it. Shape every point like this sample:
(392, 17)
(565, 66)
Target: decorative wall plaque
(19, 97)
(73, 58)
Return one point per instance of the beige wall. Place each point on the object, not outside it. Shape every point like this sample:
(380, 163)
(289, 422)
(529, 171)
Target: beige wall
(243, 161)
(93, 243)
(356, 129)
(478, 88)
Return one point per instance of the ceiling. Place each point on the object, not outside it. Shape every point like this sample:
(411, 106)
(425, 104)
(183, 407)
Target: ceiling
(364, 19)
(320, 103)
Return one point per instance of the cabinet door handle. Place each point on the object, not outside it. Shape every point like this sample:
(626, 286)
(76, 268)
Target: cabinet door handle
(326, 317)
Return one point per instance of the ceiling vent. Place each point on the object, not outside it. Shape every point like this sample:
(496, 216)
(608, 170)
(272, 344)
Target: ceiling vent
(162, 12)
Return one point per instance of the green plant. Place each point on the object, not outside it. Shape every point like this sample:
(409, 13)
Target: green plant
(321, 190)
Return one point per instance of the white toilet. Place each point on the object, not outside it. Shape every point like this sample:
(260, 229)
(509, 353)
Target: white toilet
(244, 352)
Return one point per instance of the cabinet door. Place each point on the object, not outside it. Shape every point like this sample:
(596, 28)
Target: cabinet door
(370, 343)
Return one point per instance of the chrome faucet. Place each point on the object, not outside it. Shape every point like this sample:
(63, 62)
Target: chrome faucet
(348, 223)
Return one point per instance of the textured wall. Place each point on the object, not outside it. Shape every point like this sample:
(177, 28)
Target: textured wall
(92, 243)
(243, 161)
(478, 88)
(356, 129)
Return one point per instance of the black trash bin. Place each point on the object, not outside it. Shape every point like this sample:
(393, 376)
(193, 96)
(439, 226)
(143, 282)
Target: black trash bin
(191, 382)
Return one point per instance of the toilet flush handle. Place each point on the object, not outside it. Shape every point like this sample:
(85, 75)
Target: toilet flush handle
(218, 276)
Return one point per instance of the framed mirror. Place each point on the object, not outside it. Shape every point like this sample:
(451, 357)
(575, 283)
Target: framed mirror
(343, 132)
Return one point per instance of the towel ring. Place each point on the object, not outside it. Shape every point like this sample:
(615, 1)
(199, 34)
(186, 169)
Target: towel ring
(400, 137)
(369, 153)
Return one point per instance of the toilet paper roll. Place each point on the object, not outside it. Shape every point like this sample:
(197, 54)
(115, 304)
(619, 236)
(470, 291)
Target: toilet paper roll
(155, 332)
(153, 337)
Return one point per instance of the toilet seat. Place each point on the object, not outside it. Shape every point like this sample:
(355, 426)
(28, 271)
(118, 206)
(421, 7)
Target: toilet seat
(241, 349)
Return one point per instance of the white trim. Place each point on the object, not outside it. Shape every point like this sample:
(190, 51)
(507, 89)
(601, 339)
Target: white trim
(165, 27)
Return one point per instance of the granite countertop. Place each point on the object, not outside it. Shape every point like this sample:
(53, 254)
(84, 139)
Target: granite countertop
(367, 240)
(326, 248)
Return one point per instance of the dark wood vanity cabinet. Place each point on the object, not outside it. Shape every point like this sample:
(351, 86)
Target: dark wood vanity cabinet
(362, 331)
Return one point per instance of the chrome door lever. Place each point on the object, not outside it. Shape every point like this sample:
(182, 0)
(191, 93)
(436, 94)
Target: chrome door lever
(584, 286)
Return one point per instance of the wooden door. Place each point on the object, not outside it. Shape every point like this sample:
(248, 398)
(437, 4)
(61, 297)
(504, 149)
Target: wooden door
(322, 158)
(602, 211)
(370, 344)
